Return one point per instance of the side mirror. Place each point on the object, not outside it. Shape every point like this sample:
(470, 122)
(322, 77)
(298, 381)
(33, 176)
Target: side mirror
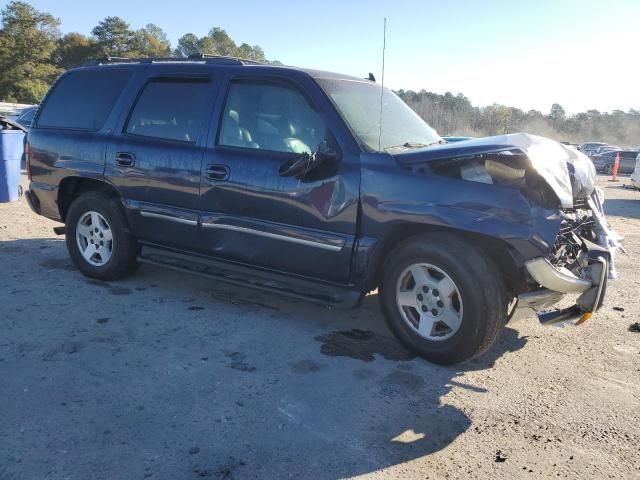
(303, 164)
(328, 154)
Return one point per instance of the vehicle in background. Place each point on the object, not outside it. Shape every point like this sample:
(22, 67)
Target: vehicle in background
(279, 178)
(11, 115)
(590, 148)
(12, 111)
(452, 139)
(635, 176)
(26, 116)
(609, 148)
(604, 162)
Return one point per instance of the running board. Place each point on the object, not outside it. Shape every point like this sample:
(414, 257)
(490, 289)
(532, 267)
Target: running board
(304, 289)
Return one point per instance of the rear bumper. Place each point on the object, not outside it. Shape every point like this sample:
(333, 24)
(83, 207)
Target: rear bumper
(43, 200)
(33, 201)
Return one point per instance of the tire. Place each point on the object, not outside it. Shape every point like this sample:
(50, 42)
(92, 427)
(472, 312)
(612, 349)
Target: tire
(607, 170)
(117, 258)
(478, 304)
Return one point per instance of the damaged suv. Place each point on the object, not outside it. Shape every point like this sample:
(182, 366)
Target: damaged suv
(321, 186)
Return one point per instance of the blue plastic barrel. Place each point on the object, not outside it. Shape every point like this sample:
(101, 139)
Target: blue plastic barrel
(11, 149)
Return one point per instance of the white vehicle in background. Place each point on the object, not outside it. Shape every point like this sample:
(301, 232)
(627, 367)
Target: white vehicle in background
(635, 176)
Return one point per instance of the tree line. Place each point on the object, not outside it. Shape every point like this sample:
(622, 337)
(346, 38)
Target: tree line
(455, 115)
(33, 52)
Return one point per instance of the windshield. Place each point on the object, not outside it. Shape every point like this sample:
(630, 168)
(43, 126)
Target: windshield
(359, 105)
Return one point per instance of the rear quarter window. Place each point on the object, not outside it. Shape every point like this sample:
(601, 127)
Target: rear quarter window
(82, 100)
(170, 109)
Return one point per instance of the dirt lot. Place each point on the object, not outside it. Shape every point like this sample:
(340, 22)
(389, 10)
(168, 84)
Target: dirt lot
(167, 376)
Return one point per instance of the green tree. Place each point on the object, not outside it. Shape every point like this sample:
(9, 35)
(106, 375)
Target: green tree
(557, 115)
(151, 41)
(221, 42)
(114, 37)
(188, 44)
(28, 39)
(218, 42)
(75, 49)
(257, 55)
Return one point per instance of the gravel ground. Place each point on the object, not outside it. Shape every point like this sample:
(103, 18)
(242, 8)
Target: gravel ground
(168, 376)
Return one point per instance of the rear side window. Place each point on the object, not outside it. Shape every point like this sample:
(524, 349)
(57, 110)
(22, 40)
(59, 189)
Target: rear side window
(82, 100)
(170, 110)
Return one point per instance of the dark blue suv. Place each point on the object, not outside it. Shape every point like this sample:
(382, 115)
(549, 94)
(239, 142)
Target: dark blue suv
(321, 186)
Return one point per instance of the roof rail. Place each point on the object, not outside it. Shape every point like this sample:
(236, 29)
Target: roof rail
(196, 57)
(216, 58)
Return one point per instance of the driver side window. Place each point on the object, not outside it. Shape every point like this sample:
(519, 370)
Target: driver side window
(268, 116)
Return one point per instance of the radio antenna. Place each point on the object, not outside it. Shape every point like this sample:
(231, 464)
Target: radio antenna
(384, 48)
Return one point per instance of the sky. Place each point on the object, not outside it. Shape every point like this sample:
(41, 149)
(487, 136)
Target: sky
(582, 54)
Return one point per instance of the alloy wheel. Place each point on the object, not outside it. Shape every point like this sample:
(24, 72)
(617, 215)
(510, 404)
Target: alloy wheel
(429, 301)
(94, 238)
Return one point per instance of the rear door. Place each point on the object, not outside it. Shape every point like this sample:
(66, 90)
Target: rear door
(250, 213)
(155, 156)
(73, 128)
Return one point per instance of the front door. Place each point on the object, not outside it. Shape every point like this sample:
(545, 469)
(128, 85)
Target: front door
(155, 159)
(251, 214)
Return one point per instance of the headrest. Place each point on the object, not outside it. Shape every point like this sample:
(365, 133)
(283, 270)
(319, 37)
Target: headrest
(233, 115)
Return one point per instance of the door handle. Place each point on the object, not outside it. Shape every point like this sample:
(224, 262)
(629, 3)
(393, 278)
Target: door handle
(125, 159)
(217, 172)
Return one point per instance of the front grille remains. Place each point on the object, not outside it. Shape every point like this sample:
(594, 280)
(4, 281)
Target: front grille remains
(578, 224)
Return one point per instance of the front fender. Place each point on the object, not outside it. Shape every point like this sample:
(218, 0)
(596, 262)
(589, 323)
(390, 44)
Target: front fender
(393, 197)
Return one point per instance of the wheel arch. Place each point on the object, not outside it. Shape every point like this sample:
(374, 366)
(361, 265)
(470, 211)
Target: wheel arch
(501, 254)
(72, 187)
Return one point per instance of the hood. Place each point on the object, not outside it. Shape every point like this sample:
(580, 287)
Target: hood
(568, 172)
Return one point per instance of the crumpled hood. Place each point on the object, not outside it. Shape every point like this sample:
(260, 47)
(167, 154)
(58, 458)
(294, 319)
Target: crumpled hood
(558, 164)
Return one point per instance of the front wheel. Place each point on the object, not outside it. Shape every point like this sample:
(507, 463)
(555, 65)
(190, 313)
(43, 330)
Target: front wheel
(443, 298)
(98, 239)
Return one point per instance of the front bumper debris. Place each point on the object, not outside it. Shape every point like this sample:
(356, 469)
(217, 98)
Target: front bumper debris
(530, 303)
(587, 303)
(577, 265)
(557, 281)
(554, 278)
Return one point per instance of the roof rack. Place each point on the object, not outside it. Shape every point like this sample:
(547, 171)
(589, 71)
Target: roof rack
(216, 58)
(196, 57)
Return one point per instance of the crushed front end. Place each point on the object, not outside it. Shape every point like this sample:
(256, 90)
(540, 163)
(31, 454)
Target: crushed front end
(574, 248)
(581, 261)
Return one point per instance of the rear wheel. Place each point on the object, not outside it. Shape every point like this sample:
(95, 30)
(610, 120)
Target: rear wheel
(98, 239)
(607, 169)
(443, 298)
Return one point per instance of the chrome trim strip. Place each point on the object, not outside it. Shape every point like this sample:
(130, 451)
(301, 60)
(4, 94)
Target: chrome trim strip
(184, 221)
(275, 236)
